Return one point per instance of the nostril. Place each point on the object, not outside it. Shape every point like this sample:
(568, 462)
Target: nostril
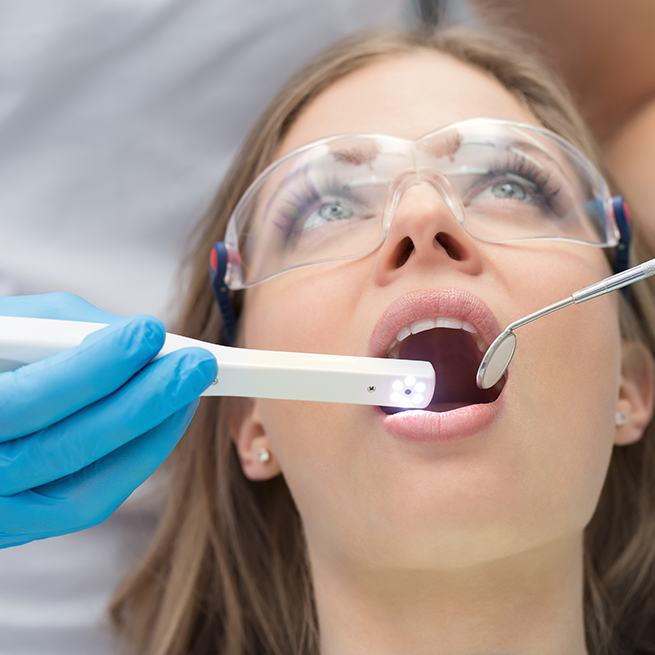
(405, 249)
(449, 245)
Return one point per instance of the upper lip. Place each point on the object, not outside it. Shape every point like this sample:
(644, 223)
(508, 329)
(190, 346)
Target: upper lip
(432, 303)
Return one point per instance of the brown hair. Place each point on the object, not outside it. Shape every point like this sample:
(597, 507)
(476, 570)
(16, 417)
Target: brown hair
(228, 571)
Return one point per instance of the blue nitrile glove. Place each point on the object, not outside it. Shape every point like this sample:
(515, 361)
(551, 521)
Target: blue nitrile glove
(80, 430)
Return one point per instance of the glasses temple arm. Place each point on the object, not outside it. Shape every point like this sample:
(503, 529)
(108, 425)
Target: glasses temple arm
(218, 259)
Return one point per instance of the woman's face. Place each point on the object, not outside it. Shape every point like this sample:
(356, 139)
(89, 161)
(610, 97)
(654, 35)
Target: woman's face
(535, 473)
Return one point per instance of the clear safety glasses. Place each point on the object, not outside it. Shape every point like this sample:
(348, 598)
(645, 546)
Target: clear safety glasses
(334, 199)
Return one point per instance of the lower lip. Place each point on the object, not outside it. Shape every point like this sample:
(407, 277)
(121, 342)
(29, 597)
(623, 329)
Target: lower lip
(454, 425)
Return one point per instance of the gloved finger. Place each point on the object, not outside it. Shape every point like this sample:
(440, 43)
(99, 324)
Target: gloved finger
(59, 305)
(40, 394)
(91, 495)
(156, 392)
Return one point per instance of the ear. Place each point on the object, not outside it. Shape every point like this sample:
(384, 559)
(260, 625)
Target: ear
(249, 437)
(636, 392)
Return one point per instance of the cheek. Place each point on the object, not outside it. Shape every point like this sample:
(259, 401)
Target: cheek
(313, 444)
(564, 383)
(297, 312)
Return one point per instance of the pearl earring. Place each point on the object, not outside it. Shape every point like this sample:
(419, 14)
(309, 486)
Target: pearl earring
(620, 418)
(263, 455)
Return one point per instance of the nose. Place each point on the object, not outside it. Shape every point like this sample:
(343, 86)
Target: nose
(426, 234)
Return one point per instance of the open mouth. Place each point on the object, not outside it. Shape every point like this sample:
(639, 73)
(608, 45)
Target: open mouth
(455, 354)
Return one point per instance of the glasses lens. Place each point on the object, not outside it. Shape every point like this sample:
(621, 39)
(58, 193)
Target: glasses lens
(326, 202)
(523, 186)
(321, 205)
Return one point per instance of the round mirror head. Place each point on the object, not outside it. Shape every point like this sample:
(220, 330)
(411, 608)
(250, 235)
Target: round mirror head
(496, 360)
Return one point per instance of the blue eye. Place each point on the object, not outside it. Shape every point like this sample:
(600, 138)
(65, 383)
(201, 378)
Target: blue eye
(334, 210)
(521, 181)
(511, 190)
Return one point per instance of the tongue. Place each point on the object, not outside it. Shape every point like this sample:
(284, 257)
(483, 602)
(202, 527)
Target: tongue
(455, 358)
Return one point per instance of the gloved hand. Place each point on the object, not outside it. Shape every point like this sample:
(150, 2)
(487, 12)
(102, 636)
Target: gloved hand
(80, 430)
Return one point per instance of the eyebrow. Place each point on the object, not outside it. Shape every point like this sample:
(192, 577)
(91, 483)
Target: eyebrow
(356, 155)
(445, 146)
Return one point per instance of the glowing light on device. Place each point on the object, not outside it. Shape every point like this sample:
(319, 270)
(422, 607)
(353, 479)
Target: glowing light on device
(408, 392)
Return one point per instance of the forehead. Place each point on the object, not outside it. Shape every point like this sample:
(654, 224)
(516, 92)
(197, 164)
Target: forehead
(407, 96)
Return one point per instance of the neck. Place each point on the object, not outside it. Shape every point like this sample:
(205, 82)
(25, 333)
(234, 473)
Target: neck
(528, 604)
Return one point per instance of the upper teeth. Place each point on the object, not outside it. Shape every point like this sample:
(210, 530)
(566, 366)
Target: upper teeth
(429, 324)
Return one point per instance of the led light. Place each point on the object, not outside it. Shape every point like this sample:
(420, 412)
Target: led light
(418, 398)
(420, 387)
(410, 381)
(397, 385)
(396, 397)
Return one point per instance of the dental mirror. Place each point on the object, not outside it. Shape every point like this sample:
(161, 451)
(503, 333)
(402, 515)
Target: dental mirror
(499, 354)
(496, 359)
